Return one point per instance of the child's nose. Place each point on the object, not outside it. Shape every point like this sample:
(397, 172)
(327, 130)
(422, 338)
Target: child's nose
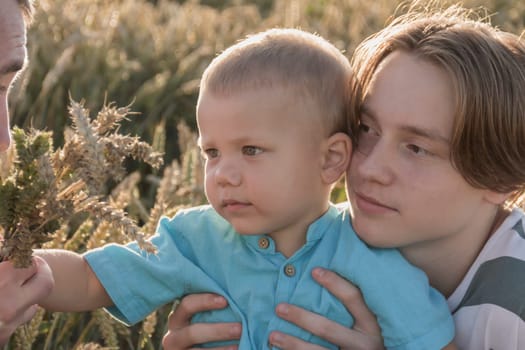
(228, 173)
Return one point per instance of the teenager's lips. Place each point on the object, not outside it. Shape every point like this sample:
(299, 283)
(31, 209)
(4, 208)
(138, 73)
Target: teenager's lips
(372, 206)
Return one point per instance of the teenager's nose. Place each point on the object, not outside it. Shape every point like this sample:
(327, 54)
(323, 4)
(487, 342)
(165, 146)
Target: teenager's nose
(5, 135)
(375, 164)
(227, 173)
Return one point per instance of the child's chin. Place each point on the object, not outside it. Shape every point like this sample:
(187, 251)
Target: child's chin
(247, 233)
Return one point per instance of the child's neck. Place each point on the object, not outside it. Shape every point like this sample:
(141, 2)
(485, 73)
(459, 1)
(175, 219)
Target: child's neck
(290, 242)
(290, 239)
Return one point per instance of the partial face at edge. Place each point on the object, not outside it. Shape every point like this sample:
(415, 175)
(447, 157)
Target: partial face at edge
(12, 58)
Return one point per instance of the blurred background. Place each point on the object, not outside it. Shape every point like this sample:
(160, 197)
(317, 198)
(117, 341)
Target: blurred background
(150, 55)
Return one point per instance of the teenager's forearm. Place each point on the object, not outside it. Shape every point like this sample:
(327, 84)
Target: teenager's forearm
(76, 286)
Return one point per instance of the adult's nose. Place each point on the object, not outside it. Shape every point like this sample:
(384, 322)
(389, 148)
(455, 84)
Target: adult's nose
(376, 164)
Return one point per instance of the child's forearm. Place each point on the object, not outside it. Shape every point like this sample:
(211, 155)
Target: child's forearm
(76, 286)
(451, 346)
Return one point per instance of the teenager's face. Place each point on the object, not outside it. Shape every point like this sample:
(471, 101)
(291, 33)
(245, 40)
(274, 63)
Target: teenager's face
(263, 156)
(12, 58)
(403, 188)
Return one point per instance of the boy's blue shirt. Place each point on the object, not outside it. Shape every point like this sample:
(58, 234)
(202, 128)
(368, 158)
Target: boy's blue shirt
(198, 251)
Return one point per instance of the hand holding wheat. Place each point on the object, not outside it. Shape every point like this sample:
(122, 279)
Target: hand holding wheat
(45, 188)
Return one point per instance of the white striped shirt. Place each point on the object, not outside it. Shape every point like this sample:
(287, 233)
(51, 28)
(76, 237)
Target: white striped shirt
(489, 304)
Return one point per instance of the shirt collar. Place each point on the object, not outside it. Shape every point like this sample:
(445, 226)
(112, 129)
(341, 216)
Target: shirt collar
(315, 232)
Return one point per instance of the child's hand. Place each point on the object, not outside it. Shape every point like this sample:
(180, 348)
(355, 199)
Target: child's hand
(183, 335)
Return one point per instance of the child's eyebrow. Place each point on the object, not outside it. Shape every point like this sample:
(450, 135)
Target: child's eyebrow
(411, 129)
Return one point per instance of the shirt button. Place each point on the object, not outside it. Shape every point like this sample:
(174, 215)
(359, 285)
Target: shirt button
(289, 270)
(264, 243)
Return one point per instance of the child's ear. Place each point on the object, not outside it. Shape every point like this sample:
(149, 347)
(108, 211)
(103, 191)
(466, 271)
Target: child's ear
(336, 158)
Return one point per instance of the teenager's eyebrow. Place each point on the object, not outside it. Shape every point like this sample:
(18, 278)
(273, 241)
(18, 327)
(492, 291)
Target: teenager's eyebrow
(426, 133)
(411, 129)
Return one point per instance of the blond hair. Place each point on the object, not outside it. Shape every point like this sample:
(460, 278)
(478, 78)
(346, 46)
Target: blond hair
(307, 64)
(487, 70)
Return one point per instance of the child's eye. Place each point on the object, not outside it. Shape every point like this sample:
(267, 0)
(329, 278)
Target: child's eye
(251, 150)
(210, 153)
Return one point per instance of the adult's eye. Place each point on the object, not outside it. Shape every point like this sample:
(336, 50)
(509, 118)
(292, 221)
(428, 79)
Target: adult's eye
(366, 139)
(363, 128)
(417, 150)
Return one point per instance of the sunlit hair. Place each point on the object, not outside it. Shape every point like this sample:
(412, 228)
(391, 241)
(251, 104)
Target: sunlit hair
(487, 70)
(306, 64)
(27, 10)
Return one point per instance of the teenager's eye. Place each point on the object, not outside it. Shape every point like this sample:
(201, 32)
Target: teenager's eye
(418, 150)
(251, 150)
(366, 139)
(363, 128)
(210, 153)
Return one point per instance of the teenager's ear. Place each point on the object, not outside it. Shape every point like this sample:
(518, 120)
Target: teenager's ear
(337, 157)
(497, 198)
